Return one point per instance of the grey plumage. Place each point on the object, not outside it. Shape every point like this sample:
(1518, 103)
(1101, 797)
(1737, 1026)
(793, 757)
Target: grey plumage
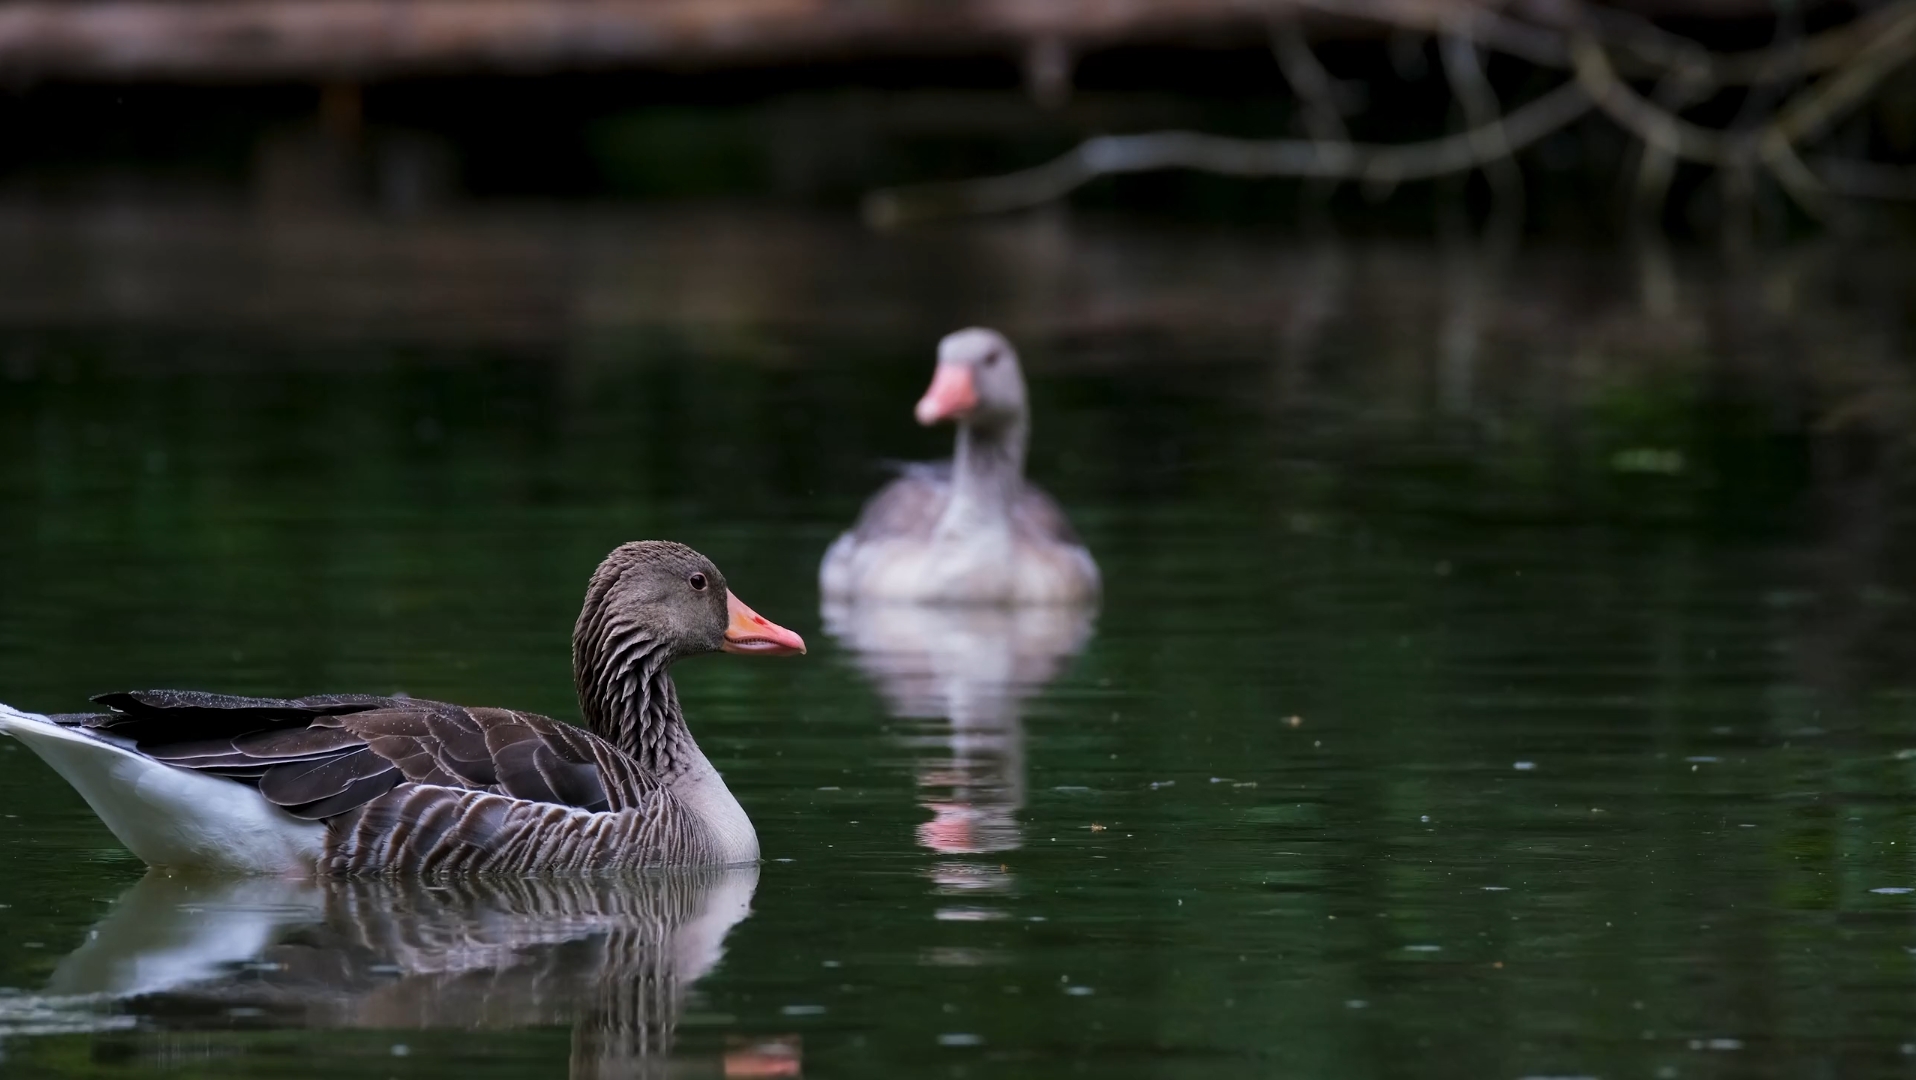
(912, 504)
(971, 530)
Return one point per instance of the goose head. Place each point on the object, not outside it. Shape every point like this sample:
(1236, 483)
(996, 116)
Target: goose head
(977, 382)
(677, 599)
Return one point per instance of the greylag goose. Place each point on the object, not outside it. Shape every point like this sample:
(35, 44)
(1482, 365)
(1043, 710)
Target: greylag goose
(355, 784)
(971, 530)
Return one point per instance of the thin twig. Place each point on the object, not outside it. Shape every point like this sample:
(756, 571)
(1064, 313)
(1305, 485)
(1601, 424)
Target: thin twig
(1810, 113)
(1481, 112)
(1662, 130)
(1657, 167)
(1309, 81)
(1671, 134)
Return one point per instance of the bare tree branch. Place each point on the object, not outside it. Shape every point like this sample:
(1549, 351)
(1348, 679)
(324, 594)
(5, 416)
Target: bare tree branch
(1661, 130)
(1855, 59)
(1108, 155)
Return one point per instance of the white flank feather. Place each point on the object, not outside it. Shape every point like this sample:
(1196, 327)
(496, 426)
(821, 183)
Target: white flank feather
(170, 816)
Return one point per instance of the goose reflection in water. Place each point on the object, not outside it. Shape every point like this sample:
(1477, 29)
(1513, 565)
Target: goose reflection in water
(613, 956)
(968, 669)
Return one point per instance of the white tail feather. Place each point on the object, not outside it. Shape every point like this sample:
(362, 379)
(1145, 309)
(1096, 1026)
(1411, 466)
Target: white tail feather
(170, 816)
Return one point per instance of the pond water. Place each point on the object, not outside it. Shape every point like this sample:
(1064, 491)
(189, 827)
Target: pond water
(1505, 668)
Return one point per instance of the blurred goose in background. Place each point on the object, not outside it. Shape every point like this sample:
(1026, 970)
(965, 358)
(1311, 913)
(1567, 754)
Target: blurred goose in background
(971, 530)
(613, 955)
(349, 784)
(967, 670)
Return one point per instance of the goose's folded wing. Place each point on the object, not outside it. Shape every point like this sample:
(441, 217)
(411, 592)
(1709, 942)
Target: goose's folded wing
(521, 755)
(909, 506)
(322, 757)
(1038, 516)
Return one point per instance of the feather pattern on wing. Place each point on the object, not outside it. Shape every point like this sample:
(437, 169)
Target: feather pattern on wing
(409, 785)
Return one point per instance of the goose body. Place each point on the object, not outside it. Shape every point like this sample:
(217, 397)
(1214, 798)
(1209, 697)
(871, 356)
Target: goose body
(362, 784)
(971, 530)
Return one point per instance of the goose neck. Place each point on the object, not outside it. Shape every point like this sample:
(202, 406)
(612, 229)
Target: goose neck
(988, 467)
(627, 698)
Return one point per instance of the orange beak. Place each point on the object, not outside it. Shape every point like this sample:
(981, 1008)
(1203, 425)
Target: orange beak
(951, 394)
(750, 632)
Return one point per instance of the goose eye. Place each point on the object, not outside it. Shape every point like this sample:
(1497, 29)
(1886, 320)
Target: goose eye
(991, 358)
(698, 582)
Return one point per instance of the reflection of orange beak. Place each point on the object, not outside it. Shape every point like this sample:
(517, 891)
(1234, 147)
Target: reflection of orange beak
(750, 632)
(779, 1056)
(951, 394)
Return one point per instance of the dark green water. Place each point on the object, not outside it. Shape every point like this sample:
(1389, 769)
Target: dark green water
(1505, 669)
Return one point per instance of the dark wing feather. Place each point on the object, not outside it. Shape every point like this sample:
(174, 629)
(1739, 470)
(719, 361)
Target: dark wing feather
(326, 756)
(537, 760)
(358, 793)
(297, 783)
(441, 745)
(259, 748)
(168, 716)
(462, 746)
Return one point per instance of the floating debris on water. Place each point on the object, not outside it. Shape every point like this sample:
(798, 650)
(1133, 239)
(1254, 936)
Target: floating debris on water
(960, 1038)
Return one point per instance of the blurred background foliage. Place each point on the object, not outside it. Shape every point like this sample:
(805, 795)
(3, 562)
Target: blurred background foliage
(305, 106)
